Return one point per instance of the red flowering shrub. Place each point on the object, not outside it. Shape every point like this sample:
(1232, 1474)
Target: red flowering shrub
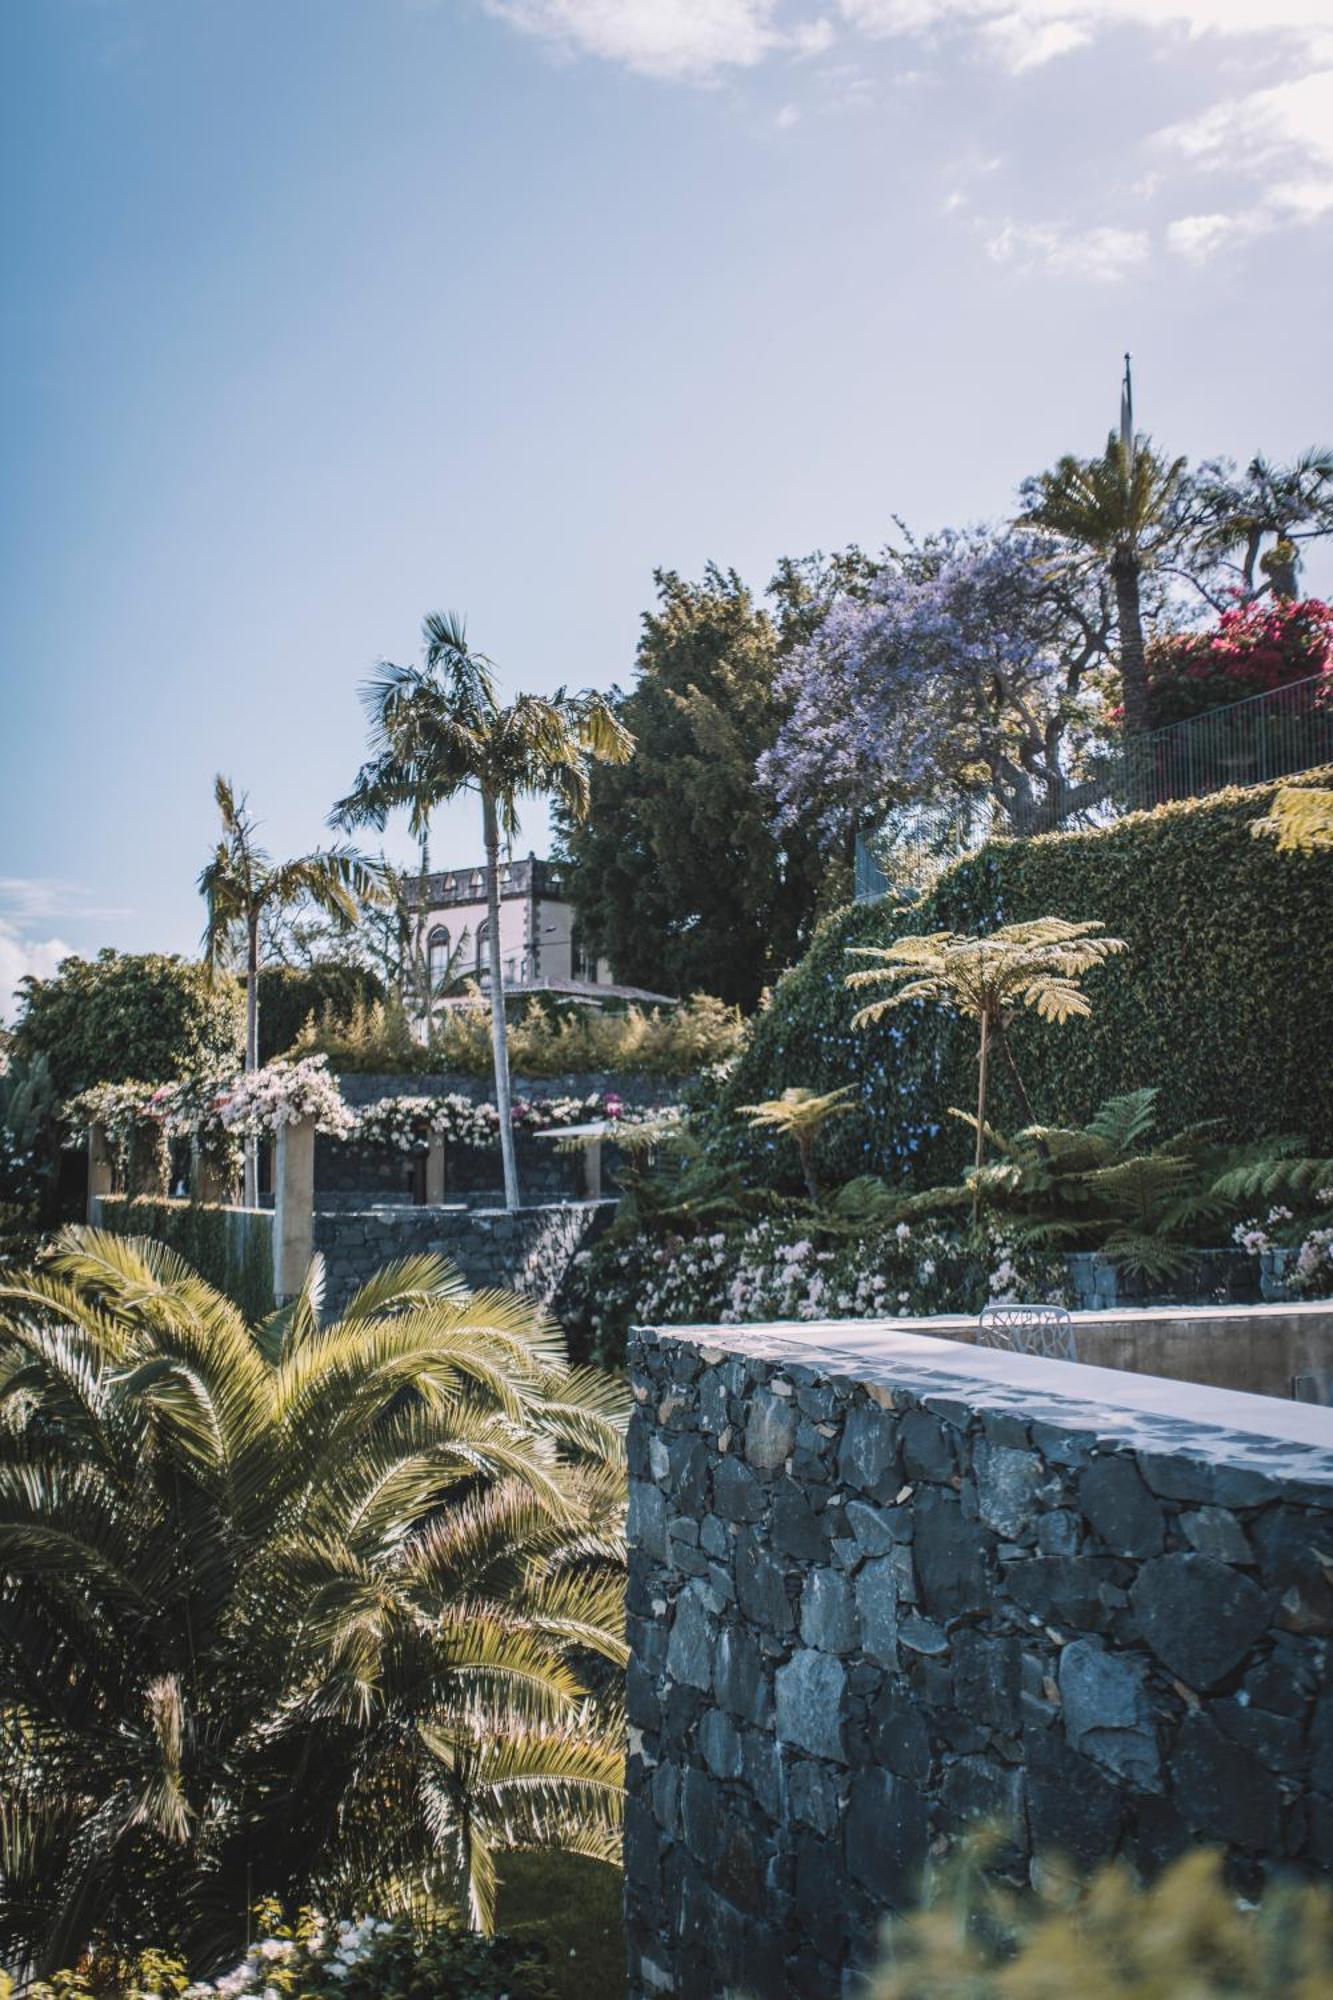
(1252, 649)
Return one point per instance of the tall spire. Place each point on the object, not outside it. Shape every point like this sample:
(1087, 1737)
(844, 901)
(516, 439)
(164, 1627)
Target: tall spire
(1127, 413)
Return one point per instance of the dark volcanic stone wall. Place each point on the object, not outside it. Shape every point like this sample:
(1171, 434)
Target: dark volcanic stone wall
(870, 1606)
(523, 1249)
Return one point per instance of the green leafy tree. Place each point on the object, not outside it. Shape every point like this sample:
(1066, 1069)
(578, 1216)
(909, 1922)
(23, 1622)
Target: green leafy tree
(438, 730)
(677, 874)
(292, 1610)
(127, 1017)
(1037, 964)
(1119, 510)
(800, 1115)
(242, 884)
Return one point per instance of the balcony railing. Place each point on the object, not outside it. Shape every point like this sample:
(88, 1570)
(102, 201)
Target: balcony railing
(1248, 742)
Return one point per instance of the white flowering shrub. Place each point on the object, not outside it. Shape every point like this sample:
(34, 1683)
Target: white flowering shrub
(256, 1104)
(315, 1959)
(781, 1269)
(1311, 1276)
(410, 1123)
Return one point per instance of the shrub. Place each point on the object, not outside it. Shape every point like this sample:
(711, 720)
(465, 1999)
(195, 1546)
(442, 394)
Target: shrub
(1221, 996)
(1253, 649)
(789, 1267)
(119, 1017)
(318, 1960)
(543, 1040)
(1109, 1939)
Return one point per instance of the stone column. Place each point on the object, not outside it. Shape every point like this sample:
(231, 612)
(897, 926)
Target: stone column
(101, 1171)
(592, 1170)
(293, 1207)
(435, 1171)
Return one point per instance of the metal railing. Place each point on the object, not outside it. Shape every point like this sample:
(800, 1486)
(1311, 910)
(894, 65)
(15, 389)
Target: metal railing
(1249, 742)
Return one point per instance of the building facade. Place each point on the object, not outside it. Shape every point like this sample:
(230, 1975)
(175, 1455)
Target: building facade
(538, 931)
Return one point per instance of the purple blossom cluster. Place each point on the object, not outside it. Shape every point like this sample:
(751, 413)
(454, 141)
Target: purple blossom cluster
(946, 674)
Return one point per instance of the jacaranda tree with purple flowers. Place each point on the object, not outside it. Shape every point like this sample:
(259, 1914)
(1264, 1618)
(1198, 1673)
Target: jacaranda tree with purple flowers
(960, 672)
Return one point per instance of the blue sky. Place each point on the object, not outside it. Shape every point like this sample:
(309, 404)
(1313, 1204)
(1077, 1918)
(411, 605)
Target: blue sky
(319, 314)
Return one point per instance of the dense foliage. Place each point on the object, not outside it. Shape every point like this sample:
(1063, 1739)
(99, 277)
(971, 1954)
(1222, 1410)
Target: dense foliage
(289, 996)
(151, 1017)
(678, 875)
(302, 1610)
(1253, 649)
(1221, 996)
(315, 1959)
(543, 1040)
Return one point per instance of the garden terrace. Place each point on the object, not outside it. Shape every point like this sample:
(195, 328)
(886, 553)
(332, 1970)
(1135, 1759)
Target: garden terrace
(882, 1586)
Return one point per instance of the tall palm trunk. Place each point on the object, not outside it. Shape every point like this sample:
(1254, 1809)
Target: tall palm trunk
(491, 830)
(1129, 622)
(250, 1193)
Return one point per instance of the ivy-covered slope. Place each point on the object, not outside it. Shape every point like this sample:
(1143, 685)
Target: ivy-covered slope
(1224, 998)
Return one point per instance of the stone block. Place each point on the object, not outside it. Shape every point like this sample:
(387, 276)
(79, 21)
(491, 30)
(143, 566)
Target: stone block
(1200, 1617)
(828, 1616)
(809, 1691)
(1119, 1507)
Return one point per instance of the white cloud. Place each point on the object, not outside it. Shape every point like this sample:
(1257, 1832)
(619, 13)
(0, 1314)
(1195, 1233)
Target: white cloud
(35, 898)
(1024, 44)
(1309, 21)
(1279, 139)
(20, 955)
(1275, 142)
(1200, 237)
(788, 116)
(690, 40)
(1104, 254)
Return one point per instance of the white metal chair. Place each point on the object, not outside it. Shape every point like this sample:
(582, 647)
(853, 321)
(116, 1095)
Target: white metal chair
(1044, 1330)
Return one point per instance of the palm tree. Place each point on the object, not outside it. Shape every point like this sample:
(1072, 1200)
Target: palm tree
(1117, 509)
(1292, 503)
(1037, 964)
(293, 1610)
(242, 885)
(438, 730)
(801, 1115)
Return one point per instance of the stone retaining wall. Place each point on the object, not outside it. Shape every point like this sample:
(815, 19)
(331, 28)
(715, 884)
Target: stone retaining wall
(523, 1249)
(882, 1586)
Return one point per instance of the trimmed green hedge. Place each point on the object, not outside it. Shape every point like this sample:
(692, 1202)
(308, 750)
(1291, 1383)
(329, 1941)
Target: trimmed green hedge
(1224, 998)
(231, 1247)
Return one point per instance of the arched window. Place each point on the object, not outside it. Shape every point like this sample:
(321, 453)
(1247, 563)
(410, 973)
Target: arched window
(484, 950)
(437, 955)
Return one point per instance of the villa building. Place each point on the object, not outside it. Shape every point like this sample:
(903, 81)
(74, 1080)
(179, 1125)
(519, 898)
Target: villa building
(539, 940)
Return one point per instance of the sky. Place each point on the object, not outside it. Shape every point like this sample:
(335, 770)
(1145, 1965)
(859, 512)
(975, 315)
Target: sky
(318, 315)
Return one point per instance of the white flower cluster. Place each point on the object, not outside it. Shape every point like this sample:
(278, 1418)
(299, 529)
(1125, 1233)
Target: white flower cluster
(286, 1093)
(1255, 1237)
(334, 1954)
(410, 1123)
(1313, 1276)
